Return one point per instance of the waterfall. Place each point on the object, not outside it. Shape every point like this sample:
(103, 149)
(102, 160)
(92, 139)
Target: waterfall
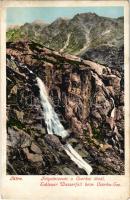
(53, 123)
(77, 158)
(113, 110)
(51, 118)
(55, 127)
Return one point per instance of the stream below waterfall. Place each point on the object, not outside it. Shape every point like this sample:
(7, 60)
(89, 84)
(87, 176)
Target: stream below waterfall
(53, 123)
(55, 127)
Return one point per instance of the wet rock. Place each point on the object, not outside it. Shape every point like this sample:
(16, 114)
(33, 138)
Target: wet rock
(18, 138)
(73, 141)
(53, 141)
(111, 90)
(106, 146)
(99, 69)
(89, 128)
(35, 149)
(14, 90)
(68, 171)
(121, 98)
(96, 115)
(76, 126)
(32, 157)
(19, 115)
(110, 121)
(83, 153)
(81, 92)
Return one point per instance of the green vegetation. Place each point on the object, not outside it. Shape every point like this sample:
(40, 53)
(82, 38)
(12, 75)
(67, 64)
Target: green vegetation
(14, 35)
(97, 134)
(15, 122)
(99, 30)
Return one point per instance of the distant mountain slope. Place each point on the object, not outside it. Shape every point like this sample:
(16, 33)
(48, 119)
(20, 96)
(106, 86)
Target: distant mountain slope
(83, 33)
(105, 55)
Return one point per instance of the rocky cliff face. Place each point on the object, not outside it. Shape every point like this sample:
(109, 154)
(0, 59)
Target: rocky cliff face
(88, 99)
(82, 35)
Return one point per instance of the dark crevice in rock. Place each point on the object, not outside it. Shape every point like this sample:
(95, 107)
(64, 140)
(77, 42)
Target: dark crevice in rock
(82, 93)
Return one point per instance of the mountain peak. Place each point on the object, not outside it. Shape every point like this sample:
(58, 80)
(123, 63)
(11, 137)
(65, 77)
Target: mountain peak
(61, 20)
(86, 15)
(39, 21)
(13, 26)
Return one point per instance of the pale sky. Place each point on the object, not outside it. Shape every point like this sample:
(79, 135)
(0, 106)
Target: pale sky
(22, 15)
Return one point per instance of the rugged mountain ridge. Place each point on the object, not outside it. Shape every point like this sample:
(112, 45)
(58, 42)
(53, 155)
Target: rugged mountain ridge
(88, 98)
(81, 35)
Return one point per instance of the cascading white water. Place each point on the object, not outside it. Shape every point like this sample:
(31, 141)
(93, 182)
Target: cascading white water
(113, 110)
(55, 127)
(51, 119)
(77, 158)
